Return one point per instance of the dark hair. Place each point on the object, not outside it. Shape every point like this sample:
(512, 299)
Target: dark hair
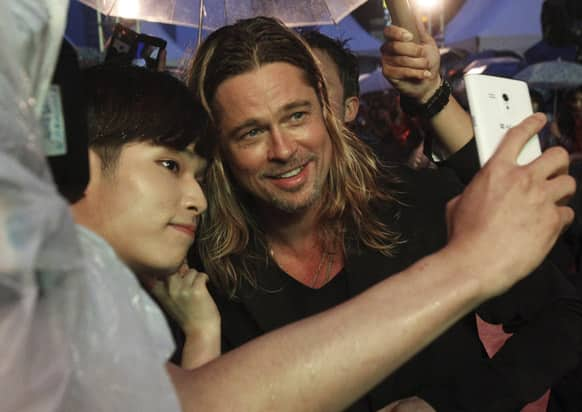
(133, 104)
(564, 117)
(344, 59)
(538, 98)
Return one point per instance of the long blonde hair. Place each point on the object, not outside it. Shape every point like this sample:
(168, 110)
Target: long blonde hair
(231, 242)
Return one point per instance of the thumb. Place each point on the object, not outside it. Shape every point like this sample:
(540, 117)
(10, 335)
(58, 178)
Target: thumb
(424, 36)
(516, 138)
(183, 269)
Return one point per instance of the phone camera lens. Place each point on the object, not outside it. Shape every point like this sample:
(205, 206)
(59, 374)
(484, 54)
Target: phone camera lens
(505, 97)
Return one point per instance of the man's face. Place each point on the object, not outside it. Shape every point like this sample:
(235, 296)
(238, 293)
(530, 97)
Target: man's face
(273, 136)
(148, 206)
(335, 87)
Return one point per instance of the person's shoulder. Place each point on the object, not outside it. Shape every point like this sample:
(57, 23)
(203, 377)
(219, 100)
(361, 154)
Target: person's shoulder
(419, 211)
(428, 186)
(98, 252)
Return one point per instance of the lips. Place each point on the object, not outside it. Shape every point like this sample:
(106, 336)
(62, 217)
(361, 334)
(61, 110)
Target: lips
(189, 230)
(288, 173)
(291, 173)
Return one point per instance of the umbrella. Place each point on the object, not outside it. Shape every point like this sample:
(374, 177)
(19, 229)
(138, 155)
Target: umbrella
(553, 75)
(217, 13)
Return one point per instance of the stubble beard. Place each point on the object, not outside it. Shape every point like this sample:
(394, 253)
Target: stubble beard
(286, 205)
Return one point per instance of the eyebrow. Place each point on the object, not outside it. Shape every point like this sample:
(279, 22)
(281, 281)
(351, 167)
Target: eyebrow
(250, 123)
(185, 152)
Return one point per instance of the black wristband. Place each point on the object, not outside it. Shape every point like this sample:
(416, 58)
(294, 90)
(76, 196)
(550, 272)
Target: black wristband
(432, 107)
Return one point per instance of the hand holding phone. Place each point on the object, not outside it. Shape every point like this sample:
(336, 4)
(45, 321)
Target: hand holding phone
(496, 105)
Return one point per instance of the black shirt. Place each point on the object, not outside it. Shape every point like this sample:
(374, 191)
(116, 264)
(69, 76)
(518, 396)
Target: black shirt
(453, 373)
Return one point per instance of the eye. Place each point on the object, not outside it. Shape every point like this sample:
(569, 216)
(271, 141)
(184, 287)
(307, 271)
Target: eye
(297, 116)
(253, 133)
(200, 178)
(171, 165)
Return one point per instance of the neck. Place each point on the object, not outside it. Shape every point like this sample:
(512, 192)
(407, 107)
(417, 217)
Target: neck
(296, 231)
(295, 243)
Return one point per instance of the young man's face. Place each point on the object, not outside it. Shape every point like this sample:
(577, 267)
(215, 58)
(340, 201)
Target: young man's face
(335, 87)
(273, 136)
(345, 109)
(147, 208)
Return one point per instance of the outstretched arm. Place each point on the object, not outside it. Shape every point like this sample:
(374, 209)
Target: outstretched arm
(305, 365)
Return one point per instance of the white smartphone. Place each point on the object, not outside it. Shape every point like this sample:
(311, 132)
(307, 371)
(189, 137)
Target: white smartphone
(496, 105)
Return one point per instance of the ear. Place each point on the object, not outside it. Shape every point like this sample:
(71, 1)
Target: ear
(351, 107)
(96, 175)
(84, 210)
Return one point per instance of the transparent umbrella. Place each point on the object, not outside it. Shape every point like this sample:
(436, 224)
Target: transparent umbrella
(552, 75)
(212, 14)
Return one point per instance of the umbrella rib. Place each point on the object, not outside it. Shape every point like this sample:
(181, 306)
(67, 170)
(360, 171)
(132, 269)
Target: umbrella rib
(111, 8)
(349, 10)
(329, 11)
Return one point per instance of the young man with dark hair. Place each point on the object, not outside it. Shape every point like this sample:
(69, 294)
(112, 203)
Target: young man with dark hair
(139, 211)
(343, 84)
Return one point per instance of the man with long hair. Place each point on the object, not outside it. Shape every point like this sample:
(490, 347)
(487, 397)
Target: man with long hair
(302, 217)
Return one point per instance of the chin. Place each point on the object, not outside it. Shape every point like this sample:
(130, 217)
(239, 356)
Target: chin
(168, 269)
(157, 269)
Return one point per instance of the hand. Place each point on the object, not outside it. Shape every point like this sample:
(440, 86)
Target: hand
(505, 222)
(185, 297)
(413, 69)
(413, 404)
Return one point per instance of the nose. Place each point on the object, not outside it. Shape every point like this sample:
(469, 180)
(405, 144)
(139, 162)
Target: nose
(282, 146)
(194, 199)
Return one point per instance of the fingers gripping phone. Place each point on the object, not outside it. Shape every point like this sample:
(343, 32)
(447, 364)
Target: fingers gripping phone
(402, 15)
(496, 105)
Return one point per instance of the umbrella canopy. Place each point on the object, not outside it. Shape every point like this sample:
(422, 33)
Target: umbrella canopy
(217, 13)
(554, 75)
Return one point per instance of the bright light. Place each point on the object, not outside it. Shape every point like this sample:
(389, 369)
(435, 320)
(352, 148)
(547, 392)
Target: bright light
(128, 9)
(426, 4)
